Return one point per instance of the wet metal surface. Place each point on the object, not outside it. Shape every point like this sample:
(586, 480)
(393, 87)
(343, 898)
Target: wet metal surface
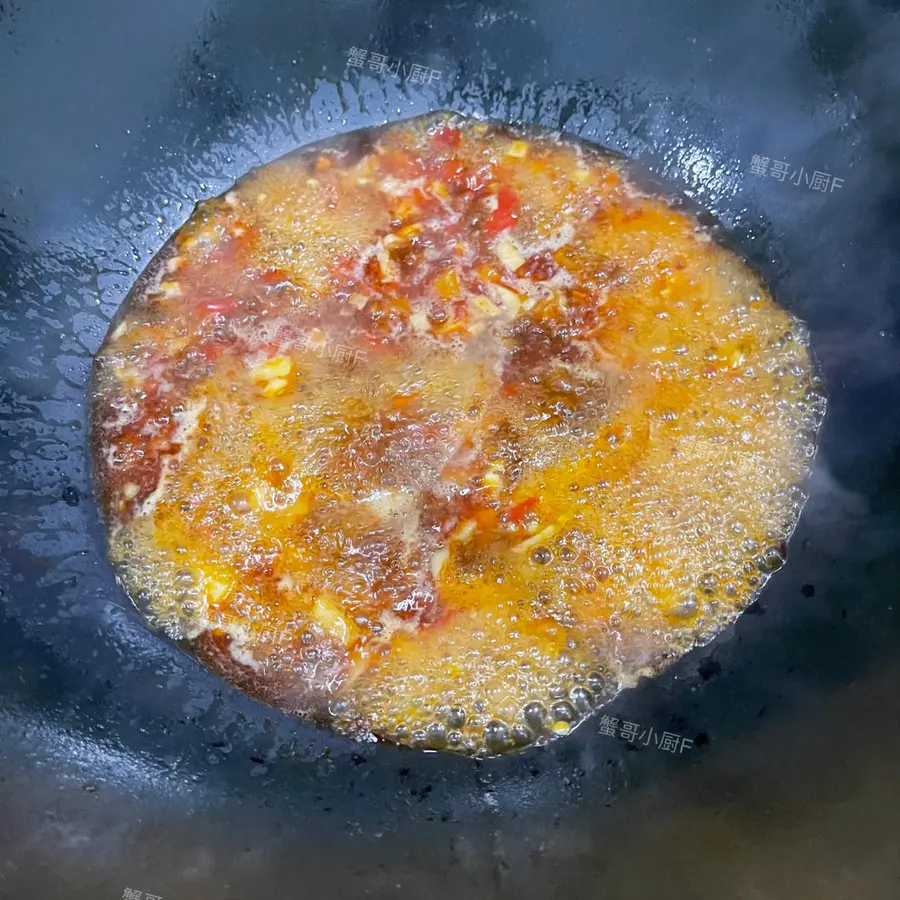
(124, 765)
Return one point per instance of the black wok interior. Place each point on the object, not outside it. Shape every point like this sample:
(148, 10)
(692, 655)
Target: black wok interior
(124, 766)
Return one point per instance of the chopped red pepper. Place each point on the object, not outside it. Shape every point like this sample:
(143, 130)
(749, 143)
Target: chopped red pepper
(273, 276)
(539, 267)
(506, 213)
(372, 269)
(451, 168)
(517, 513)
(454, 174)
(447, 137)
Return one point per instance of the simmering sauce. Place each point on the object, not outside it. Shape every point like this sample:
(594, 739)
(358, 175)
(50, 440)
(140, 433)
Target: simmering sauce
(445, 432)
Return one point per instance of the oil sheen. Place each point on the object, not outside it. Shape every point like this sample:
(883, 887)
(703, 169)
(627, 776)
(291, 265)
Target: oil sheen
(446, 432)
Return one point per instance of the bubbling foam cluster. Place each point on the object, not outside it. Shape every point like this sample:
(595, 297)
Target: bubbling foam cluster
(564, 443)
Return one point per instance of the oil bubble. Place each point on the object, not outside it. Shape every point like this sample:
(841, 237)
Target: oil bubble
(581, 699)
(563, 711)
(436, 735)
(541, 556)
(536, 716)
(496, 736)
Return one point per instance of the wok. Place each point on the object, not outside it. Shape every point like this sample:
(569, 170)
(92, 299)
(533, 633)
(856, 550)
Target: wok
(128, 771)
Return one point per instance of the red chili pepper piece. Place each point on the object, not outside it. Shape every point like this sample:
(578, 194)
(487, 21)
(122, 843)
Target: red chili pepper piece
(273, 276)
(447, 137)
(516, 513)
(506, 213)
(539, 267)
(219, 306)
